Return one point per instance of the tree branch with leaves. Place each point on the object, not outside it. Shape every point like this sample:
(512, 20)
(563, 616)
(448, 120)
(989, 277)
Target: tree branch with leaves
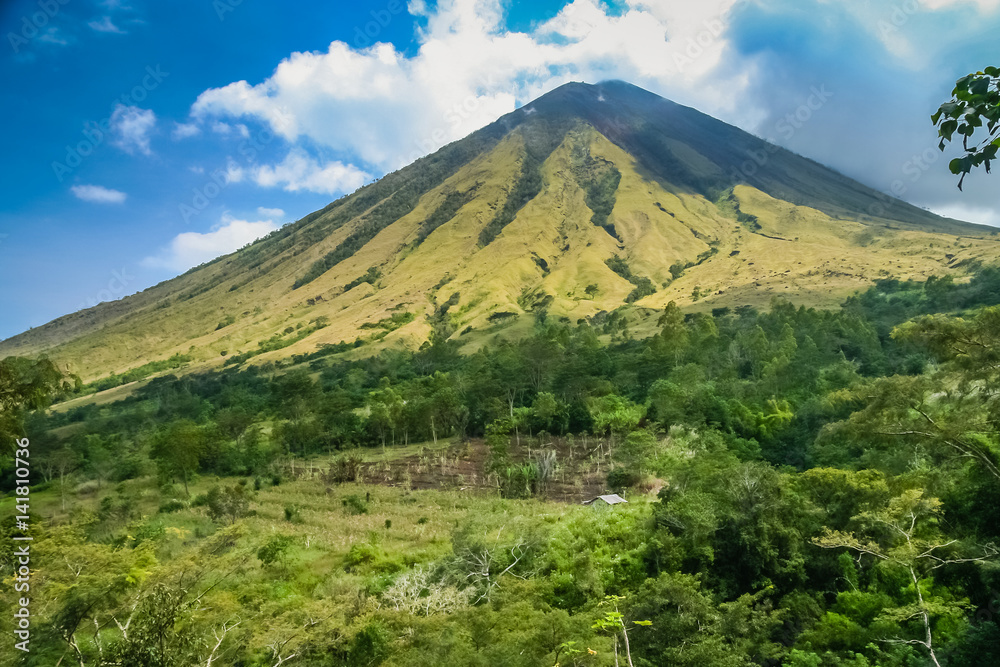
(974, 108)
(903, 536)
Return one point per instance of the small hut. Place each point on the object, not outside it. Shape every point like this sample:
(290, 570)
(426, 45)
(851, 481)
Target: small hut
(605, 501)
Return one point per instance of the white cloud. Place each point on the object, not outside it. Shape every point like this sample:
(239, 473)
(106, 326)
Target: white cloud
(185, 131)
(225, 129)
(234, 172)
(53, 36)
(190, 249)
(98, 194)
(961, 211)
(298, 171)
(271, 213)
(105, 24)
(132, 126)
(379, 108)
(386, 109)
(982, 5)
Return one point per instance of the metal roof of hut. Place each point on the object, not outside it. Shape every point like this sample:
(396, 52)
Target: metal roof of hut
(611, 499)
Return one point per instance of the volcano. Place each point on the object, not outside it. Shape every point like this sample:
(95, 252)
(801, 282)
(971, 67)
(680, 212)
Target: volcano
(591, 199)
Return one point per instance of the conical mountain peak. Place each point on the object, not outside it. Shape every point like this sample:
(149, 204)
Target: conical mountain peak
(587, 200)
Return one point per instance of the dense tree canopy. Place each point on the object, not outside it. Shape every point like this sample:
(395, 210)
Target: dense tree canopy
(806, 488)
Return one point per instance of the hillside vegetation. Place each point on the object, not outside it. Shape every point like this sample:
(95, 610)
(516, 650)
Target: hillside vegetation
(806, 488)
(522, 216)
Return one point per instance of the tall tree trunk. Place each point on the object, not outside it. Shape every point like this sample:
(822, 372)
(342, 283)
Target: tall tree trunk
(628, 651)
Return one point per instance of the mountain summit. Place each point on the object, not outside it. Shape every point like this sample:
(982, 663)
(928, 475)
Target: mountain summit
(590, 198)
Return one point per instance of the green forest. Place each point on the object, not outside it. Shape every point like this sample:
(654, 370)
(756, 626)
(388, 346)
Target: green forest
(807, 488)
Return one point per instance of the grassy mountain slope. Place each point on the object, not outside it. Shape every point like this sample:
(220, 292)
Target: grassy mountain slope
(589, 198)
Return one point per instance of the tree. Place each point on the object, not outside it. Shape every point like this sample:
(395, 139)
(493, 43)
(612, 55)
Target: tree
(691, 630)
(614, 621)
(668, 401)
(233, 422)
(25, 384)
(92, 591)
(615, 415)
(674, 336)
(634, 453)
(154, 637)
(975, 99)
(955, 410)
(549, 413)
(498, 441)
(759, 541)
(229, 503)
(903, 536)
(102, 456)
(275, 550)
(179, 449)
(65, 461)
(385, 410)
(445, 410)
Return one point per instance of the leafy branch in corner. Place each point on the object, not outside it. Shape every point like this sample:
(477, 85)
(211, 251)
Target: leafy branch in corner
(975, 102)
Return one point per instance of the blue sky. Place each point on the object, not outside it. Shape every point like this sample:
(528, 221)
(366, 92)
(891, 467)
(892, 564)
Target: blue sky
(146, 137)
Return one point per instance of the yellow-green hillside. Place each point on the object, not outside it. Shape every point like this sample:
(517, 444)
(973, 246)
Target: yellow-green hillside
(590, 198)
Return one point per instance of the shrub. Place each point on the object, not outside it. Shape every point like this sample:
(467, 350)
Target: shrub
(345, 468)
(275, 550)
(620, 479)
(128, 467)
(363, 553)
(519, 481)
(292, 514)
(373, 558)
(228, 504)
(173, 505)
(355, 504)
(87, 488)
